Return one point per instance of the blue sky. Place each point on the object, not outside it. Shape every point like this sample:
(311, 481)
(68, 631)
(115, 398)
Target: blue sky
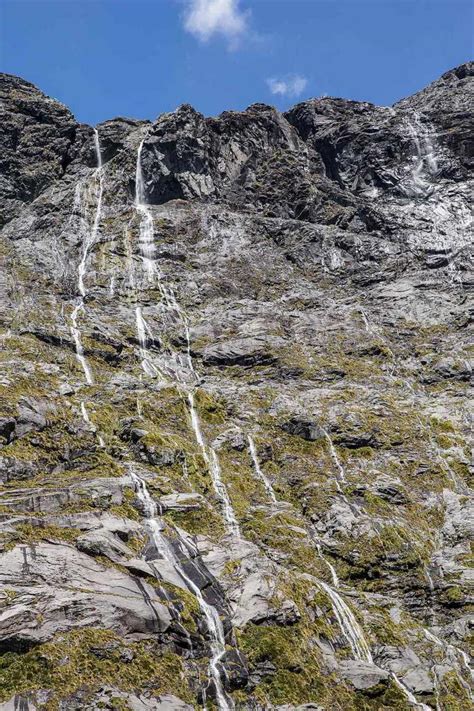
(138, 58)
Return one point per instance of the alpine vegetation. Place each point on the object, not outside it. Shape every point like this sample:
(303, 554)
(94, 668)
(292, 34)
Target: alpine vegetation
(234, 427)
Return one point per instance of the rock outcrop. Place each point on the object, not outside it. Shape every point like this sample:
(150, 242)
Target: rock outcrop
(234, 433)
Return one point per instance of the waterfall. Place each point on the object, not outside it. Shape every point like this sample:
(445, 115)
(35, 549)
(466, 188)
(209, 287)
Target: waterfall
(258, 471)
(181, 373)
(92, 235)
(332, 570)
(342, 476)
(113, 269)
(365, 319)
(76, 335)
(87, 420)
(213, 621)
(424, 162)
(147, 252)
(88, 243)
(212, 461)
(453, 654)
(146, 236)
(349, 626)
(144, 333)
(409, 696)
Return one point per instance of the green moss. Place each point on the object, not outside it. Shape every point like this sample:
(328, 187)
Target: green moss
(460, 468)
(444, 441)
(453, 596)
(385, 630)
(396, 548)
(231, 568)
(125, 510)
(440, 425)
(453, 696)
(300, 676)
(88, 659)
(165, 412)
(27, 533)
(210, 408)
(204, 521)
(277, 531)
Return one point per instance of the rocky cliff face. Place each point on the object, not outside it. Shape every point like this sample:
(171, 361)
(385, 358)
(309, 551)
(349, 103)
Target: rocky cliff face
(233, 429)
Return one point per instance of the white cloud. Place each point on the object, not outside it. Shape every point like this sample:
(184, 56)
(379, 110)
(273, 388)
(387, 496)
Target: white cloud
(290, 86)
(205, 18)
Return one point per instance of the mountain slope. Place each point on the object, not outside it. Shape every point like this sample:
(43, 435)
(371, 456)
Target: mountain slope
(234, 426)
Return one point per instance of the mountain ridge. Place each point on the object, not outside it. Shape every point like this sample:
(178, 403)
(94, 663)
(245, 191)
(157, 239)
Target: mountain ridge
(234, 416)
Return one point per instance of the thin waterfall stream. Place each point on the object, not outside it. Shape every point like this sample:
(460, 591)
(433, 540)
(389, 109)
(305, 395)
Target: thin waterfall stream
(258, 470)
(349, 625)
(350, 628)
(87, 244)
(155, 527)
(408, 694)
(182, 374)
(340, 469)
(147, 251)
(424, 161)
(210, 457)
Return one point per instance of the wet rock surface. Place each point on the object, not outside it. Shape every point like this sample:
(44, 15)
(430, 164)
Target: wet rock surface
(234, 423)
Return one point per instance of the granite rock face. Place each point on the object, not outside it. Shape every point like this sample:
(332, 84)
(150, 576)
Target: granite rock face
(234, 424)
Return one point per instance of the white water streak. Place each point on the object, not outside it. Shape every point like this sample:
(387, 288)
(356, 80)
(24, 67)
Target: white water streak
(87, 420)
(212, 461)
(144, 333)
(213, 621)
(424, 161)
(76, 334)
(335, 458)
(349, 626)
(453, 653)
(332, 570)
(258, 470)
(88, 243)
(180, 372)
(408, 694)
(146, 236)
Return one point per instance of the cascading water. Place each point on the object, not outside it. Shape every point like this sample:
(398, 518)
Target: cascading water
(147, 252)
(181, 373)
(87, 420)
(258, 470)
(453, 653)
(212, 461)
(332, 570)
(88, 242)
(349, 625)
(143, 334)
(214, 624)
(92, 234)
(424, 162)
(408, 694)
(340, 469)
(146, 236)
(346, 620)
(76, 334)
